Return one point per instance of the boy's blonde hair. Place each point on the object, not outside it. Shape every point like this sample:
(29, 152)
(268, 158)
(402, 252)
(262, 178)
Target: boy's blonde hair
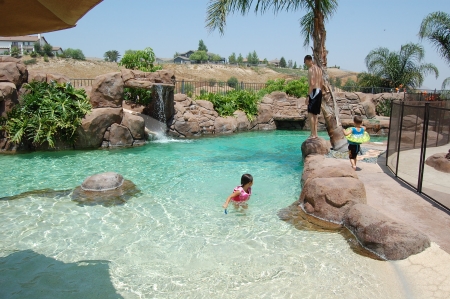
(357, 119)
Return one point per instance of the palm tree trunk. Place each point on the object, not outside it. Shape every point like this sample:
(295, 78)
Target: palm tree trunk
(329, 106)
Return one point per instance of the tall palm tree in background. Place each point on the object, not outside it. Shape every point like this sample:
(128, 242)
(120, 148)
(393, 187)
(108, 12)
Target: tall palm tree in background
(436, 28)
(312, 28)
(111, 55)
(402, 68)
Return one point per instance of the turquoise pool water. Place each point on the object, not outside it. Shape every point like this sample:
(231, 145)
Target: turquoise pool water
(174, 240)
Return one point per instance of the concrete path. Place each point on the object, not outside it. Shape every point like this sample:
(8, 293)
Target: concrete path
(399, 201)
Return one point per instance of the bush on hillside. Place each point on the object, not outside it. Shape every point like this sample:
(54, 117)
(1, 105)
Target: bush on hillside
(232, 82)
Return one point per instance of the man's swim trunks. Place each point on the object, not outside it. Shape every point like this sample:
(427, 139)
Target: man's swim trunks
(315, 101)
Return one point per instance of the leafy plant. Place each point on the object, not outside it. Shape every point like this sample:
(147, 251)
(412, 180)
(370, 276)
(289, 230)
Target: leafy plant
(226, 104)
(48, 112)
(383, 107)
(141, 60)
(212, 82)
(46, 57)
(297, 88)
(141, 96)
(111, 55)
(48, 50)
(33, 54)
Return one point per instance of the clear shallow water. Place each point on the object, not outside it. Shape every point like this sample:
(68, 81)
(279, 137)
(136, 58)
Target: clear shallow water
(174, 240)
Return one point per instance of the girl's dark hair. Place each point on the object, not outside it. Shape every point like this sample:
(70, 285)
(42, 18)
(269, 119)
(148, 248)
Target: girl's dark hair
(246, 178)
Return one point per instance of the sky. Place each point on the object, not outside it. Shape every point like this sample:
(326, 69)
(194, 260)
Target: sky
(170, 26)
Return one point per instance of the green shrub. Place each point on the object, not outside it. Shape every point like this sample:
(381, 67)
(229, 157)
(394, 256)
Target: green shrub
(48, 112)
(297, 88)
(6, 52)
(233, 82)
(15, 52)
(30, 61)
(383, 107)
(141, 60)
(212, 82)
(142, 96)
(189, 89)
(74, 54)
(226, 104)
(221, 84)
(45, 58)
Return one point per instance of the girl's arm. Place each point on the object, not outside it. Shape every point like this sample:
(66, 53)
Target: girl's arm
(234, 194)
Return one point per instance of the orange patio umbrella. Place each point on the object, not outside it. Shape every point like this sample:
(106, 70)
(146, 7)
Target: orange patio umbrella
(23, 17)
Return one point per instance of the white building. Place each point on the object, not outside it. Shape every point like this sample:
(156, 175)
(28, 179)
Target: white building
(24, 43)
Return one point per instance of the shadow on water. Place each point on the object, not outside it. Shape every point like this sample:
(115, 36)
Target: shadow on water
(27, 274)
(302, 221)
(48, 193)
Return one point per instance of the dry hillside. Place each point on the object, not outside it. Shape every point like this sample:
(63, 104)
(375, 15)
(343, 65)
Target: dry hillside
(88, 69)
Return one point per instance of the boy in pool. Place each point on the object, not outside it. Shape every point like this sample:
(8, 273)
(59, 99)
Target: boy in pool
(355, 136)
(241, 194)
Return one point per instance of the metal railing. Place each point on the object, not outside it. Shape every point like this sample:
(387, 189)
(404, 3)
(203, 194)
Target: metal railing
(212, 86)
(81, 82)
(419, 132)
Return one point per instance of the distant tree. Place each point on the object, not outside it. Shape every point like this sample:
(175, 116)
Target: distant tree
(141, 60)
(367, 80)
(249, 58)
(37, 48)
(265, 61)
(305, 68)
(199, 56)
(15, 51)
(232, 58)
(240, 59)
(111, 55)
(176, 55)
(351, 85)
(338, 82)
(74, 54)
(202, 46)
(282, 62)
(402, 67)
(48, 49)
(331, 80)
(255, 58)
(295, 65)
(436, 29)
(289, 64)
(215, 57)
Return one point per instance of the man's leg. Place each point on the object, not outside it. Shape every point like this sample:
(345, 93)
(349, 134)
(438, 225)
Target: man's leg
(313, 123)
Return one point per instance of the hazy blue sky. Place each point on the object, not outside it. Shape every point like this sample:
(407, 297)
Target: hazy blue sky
(170, 26)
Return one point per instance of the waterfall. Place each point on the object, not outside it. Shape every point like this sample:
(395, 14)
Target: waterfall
(160, 104)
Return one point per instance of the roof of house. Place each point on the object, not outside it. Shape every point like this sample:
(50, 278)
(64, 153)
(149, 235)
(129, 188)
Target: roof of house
(25, 38)
(275, 60)
(56, 48)
(186, 52)
(182, 57)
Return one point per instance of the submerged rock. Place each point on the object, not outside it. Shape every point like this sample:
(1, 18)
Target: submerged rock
(107, 189)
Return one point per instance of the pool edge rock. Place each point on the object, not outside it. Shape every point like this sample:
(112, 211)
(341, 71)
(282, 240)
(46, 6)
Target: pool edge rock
(332, 191)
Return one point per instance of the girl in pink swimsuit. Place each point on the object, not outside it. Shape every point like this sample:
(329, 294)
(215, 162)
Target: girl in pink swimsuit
(241, 194)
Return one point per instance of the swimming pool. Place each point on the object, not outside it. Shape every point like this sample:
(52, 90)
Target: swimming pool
(173, 240)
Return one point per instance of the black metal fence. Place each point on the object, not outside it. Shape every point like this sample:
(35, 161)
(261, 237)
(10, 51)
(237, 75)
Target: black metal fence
(419, 133)
(81, 82)
(213, 86)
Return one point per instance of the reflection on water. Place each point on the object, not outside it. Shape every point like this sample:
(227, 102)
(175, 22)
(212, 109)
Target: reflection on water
(173, 240)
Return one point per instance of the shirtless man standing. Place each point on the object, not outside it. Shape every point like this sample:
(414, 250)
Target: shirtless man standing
(314, 99)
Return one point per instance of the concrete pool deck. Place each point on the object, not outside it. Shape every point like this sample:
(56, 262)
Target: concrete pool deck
(427, 274)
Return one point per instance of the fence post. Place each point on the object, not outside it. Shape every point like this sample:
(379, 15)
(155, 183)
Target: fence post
(373, 92)
(423, 146)
(182, 86)
(399, 137)
(389, 134)
(242, 85)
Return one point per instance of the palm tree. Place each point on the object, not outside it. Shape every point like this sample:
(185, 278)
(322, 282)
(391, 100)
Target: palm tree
(436, 28)
(112, 55)
(404, 67)
(312, 27)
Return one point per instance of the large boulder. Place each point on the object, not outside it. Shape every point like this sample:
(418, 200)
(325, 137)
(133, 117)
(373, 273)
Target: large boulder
(108, 189)
(120, 136)
(13, 70)
(58, 78)
(439, 162)
(8, 97)
(382, 235)
(315, 146)
(38, 76)
(107, 91)
(242, 122)
(135, 124)
(225, 125)
(94, 124)
(317, 166)
(331, 198)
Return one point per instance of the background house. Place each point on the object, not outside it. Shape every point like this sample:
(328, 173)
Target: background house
(181, 59)
(24, 43)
